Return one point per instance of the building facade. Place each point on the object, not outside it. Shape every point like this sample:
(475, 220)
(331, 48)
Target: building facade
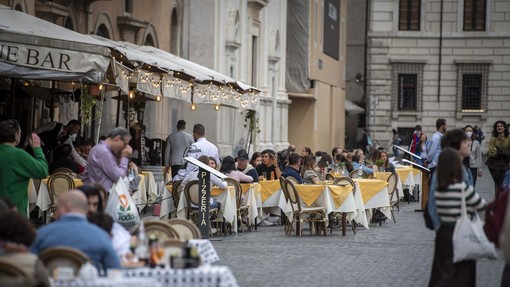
(430, 59)
(316, 50)
(242, 39)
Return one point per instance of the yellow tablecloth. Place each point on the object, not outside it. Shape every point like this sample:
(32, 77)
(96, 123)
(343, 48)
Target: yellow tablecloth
(339, 193)
(268, 188)
(404, 172)
(309, 192)
(370, 187)
(416, 171)
(382, 175)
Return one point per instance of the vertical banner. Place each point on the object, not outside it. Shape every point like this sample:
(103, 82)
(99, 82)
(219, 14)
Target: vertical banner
(204, 193)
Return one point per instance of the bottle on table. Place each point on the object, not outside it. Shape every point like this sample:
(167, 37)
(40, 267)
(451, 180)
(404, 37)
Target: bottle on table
(142, 249)
(360, 172)
(272, 175)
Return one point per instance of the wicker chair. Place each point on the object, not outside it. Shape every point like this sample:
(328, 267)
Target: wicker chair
(59, 256)
(288, 223)
(58, 183)
(329, 176)
(161, 229)
(393, 192)
(344, 181)
(242, 210)
(185, 229)
(192, 197)
(316, 215)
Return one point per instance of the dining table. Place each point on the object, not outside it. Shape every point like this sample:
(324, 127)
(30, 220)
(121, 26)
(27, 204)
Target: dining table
(228, 207)
(43, 200)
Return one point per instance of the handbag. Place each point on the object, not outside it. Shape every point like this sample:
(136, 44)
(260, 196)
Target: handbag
(469, 240)
(121, 205)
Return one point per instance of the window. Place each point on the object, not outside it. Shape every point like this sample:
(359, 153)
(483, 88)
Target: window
(174, 33)
(128, 6)
(409, 15)
(102, 31)
(407, 88)
(472, 87)
(474, 15)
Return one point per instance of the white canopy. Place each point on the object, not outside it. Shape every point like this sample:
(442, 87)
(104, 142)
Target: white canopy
(32, 48)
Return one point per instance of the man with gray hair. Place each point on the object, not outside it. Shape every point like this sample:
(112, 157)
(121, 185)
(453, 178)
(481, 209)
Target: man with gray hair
(104, 166)
(73, 230)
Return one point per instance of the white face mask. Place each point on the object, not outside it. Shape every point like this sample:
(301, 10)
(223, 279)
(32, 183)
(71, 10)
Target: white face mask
(73, 137)
(469, 134)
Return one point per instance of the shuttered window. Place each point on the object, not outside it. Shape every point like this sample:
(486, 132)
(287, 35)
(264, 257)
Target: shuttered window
(474, 15)
(409, 15)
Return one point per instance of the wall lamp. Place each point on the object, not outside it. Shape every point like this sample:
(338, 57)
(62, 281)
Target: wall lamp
(359, 78)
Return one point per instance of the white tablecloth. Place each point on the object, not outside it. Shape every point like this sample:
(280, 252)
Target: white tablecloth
(325, 200)
(380, 200)
(206, 250)
(109, 282)
(167, 202)
(204, 276)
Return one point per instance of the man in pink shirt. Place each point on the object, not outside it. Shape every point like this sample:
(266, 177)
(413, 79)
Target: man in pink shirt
(104, 166)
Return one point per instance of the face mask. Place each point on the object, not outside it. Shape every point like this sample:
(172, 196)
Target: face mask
(73, 137)
(469, 134)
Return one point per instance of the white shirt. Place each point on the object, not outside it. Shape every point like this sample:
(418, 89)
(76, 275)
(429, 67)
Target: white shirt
(202, 147)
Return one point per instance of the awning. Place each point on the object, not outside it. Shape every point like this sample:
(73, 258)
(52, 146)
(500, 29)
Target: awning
(352, 108)
(31, 48)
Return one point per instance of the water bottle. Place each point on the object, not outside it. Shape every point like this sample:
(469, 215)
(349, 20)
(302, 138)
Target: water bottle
(360, 172)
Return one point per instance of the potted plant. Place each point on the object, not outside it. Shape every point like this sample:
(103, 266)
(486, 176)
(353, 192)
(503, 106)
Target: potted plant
(87, 103)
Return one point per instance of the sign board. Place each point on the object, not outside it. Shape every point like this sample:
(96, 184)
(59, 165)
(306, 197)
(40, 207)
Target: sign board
(408, 152)
(204, 189)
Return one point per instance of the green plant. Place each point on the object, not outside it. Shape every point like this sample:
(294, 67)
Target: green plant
(251, 121)
(87, 103)
(379, 162)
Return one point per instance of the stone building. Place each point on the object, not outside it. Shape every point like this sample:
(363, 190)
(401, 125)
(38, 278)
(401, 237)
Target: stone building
(241, 39)
(430, 59)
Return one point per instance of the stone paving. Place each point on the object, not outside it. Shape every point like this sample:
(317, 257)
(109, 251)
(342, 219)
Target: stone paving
(394, 254)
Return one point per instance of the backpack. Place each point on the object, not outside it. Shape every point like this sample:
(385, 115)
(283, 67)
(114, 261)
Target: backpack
(495, 217)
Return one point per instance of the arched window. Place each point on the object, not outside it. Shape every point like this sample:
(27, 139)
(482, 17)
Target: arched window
(174, 33)
(18, 8)
(103, 31)
(149, 41)
(69, 24)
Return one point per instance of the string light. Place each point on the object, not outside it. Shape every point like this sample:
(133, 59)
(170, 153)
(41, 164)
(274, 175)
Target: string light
(158, 98)
(217, 107)
(101, 87)
(131, 94)
(193, 106)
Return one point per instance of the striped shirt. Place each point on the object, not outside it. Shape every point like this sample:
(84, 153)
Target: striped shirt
(449, 201)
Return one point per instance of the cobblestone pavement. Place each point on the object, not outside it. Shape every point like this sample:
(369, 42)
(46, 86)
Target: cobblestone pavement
(394, 254)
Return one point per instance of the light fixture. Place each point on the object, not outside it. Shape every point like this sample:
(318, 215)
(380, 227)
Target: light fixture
(359, 78)
(158, 98)
(101, 87)
(217, 107)
(193, 106)
(131, 94)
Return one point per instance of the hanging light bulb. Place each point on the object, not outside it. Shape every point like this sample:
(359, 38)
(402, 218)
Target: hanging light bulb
(158, 98)
(193, 106)
(131, 94)
(101, 87)
(217, 107)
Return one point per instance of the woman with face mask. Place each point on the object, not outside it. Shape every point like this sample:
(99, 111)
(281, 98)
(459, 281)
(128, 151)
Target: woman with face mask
(474, 160)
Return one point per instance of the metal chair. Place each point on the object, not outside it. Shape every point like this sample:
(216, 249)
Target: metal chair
(185, 229)
(161, 229)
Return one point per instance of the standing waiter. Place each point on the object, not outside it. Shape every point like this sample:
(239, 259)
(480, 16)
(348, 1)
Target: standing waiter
(176, 144)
